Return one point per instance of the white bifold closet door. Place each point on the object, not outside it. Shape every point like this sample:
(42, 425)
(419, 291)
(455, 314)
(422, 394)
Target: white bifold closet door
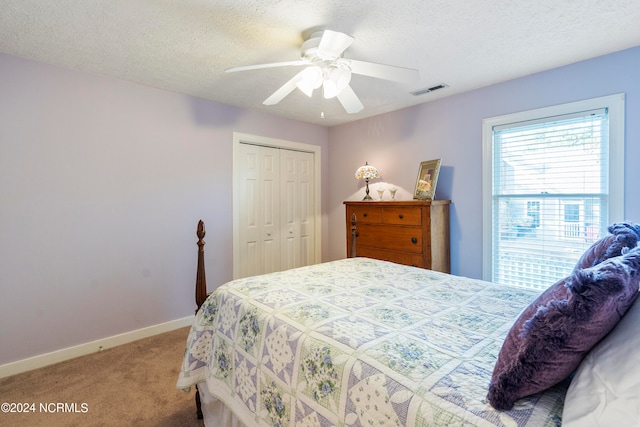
(276, 218)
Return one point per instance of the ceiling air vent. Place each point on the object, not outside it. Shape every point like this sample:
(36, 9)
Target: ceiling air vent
(429, 89)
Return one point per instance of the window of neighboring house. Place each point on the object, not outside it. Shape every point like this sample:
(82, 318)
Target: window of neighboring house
(553, 180)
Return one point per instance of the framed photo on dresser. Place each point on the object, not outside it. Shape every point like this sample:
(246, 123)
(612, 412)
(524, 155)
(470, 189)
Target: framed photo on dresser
(427, 180)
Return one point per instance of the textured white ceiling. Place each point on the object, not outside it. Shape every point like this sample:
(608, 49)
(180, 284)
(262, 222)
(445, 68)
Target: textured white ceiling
(185, 46)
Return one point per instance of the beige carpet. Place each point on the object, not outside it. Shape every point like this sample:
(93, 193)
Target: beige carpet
(129, 385)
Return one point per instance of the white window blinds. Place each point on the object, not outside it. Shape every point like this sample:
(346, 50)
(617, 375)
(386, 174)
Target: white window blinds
(550, 195)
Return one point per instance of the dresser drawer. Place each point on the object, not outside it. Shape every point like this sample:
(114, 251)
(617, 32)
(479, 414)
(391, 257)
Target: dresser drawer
(406, 258)
(366, 214)
(402, 216)
(408, 239)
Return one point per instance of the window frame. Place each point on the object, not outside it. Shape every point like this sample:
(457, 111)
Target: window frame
(616, 111)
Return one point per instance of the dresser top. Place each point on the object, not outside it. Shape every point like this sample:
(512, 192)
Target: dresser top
(397, 202)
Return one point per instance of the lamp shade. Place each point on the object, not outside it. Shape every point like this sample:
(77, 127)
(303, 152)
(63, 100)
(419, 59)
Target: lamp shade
(367, 172)
(311, 78)
(335, 81)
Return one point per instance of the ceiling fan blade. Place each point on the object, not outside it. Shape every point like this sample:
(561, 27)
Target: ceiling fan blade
(350, 100)
(271, 65)
(284, 90)
(333, 44)
(387, 72)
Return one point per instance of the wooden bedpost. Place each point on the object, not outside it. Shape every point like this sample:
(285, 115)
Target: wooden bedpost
(201, 294)
(201, 280)
(354, 235)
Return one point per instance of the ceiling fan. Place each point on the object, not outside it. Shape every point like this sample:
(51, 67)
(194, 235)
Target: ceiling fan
(322, 54)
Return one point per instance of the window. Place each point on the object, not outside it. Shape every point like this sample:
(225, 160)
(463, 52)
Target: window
(553, 181)
(533, 212)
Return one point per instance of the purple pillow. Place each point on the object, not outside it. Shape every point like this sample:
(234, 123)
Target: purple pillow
(553, 334)
(624, 236)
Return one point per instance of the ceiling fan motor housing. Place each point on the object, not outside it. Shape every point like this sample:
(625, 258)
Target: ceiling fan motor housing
(309, 48)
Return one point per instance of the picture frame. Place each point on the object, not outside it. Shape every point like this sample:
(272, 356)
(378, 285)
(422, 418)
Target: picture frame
(427, 180)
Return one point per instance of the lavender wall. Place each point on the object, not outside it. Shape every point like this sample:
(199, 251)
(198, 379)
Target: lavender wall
(102, 183)
(451, 128)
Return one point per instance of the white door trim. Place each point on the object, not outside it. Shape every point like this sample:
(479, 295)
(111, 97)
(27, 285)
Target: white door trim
(239, 138)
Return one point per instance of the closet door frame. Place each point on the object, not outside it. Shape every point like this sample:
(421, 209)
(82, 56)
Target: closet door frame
(239, 138)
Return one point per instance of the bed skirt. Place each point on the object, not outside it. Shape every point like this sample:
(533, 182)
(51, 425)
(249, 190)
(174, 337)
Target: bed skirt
(215, 413)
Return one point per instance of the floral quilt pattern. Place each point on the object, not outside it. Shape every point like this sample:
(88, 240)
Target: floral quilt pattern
(359, 342)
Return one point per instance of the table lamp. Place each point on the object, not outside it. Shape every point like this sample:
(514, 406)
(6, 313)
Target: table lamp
(367, 172)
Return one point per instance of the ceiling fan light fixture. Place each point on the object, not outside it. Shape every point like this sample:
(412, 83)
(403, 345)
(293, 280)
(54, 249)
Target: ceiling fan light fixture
(335, 81)
(329, 89)
(310, 79)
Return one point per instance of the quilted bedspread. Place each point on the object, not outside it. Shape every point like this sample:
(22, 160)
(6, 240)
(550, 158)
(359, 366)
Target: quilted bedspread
(359, 342)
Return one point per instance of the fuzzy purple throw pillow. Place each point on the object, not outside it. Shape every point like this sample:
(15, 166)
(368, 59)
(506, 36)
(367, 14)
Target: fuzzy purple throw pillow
(623, 236)
(552, 336)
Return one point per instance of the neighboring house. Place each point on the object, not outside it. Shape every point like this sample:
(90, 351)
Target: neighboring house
(102, 183)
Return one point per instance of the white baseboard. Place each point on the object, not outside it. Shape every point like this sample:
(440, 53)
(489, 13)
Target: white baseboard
(90, 347)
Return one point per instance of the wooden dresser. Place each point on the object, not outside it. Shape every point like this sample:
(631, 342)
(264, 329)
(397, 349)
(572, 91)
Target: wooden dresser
(414, 232)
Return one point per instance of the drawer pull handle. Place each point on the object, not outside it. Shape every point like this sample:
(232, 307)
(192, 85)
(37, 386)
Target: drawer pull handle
(364, 214)
(414, 240)
(400, 216)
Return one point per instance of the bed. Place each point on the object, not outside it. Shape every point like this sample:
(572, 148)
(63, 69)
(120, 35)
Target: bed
(357, 342)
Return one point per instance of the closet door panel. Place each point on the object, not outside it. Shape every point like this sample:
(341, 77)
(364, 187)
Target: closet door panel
(259, 217)
(270, 208)
(306, 196)
(289, 209)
